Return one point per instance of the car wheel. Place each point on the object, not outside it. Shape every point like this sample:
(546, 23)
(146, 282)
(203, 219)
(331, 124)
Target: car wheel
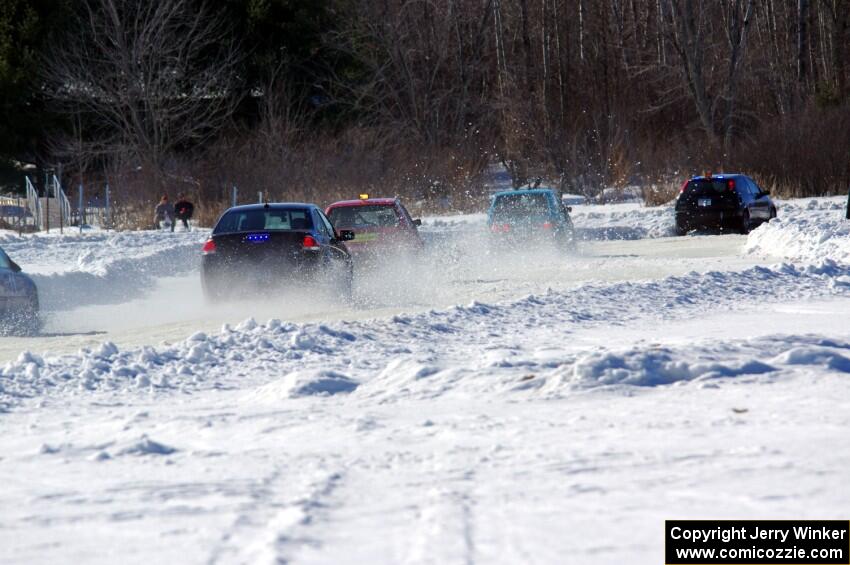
(681, 230)
(772, 213)
(213, 290)
(31, 321)
(346, 287)
(24, 320)
(567, 242)
(745, 222)
(338, 280)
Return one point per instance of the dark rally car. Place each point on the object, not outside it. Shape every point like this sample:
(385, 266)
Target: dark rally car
(266, 246)
(722, 201)
(18, 299)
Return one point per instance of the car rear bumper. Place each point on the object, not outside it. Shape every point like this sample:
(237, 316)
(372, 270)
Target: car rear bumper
(708, 218)
(524, 238)
(222, 276)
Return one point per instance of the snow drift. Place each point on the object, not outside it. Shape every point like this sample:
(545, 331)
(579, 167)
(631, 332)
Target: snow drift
(820, 234)
(72, 270)
(396, 357)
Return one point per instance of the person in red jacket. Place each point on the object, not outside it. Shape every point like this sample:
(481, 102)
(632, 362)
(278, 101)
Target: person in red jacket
(183, 210)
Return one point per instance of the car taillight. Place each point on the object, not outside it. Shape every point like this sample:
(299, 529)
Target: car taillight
(547, 225)
(731, 185)
(310, 243)
(684, 186)
(209, 247)
(503, 228)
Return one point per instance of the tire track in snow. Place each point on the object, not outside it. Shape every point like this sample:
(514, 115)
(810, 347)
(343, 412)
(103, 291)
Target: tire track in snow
(445, 532)
(283, 516)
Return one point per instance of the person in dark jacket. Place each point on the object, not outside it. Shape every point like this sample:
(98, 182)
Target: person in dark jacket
(183, 210)
(163, 213)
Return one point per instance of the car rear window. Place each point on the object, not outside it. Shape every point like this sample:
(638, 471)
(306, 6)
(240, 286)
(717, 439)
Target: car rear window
(363, 216)
(509, 206)
(705, 185)
(272, 219)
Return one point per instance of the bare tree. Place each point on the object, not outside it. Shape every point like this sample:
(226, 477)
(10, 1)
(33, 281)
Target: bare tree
(737, 28)
(144, 78)
(689, 32)
(838, 12)
(802, 39)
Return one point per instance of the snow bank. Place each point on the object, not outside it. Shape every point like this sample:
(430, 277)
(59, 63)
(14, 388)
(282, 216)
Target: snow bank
(297, 384)
(811, 232)
(664, 365)
(454, 222)
(622, 221)
(101, 267)
(655, 367)
(475, 348)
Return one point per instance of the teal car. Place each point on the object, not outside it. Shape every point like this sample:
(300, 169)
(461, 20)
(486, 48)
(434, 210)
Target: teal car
(530, 217)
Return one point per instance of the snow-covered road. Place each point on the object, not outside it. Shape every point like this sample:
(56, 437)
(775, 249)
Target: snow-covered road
(172, 307)
(477, 411)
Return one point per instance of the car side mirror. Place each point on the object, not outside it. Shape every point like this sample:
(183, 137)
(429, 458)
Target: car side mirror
(346, 235)
(14, 266)
(569, 208)
(417, 222)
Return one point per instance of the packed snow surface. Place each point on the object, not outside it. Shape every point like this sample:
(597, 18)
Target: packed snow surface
(492, 410)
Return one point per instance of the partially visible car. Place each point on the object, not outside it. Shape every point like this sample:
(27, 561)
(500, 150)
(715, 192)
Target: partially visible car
(266, 246)
(573, 200)
(532, 216)
(380, 226)
(619, 195)
(725, 201)
(18, 299)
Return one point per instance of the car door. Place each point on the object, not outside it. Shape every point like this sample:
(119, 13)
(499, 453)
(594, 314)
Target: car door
(745, 191)
(325, 237)
(8, 294)
(336, 247)
(761, 204)
(410, 224)
(557, 214)
(7, 289)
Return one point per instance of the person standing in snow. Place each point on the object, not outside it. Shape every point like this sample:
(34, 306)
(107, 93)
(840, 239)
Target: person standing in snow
(183, 210)
(164, 211)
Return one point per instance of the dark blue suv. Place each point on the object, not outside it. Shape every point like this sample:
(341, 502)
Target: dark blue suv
(530, 216)
(18, 299)
(722, 201)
